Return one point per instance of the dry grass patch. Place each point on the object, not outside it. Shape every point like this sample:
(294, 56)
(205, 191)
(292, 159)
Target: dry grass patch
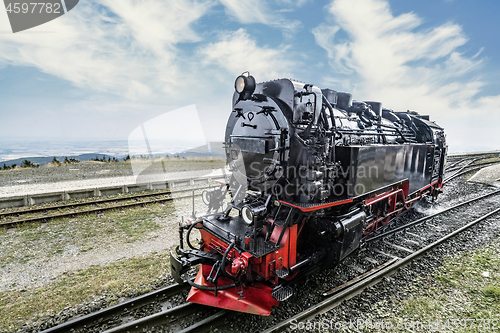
(486, 160)
(124, 278)
(84, 232)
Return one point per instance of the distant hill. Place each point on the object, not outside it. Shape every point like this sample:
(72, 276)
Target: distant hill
(216, 150)
(46, 160)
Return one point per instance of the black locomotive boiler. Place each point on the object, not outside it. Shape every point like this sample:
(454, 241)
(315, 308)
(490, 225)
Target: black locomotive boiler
(312, 174)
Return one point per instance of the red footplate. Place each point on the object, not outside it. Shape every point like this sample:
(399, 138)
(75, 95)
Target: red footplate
(255, 299)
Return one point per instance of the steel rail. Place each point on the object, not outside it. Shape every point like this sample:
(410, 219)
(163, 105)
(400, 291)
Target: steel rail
(140, 325)
(373, 279)
(425, 218)
(96, 202)
(460, 173)
(474, 165)
(455, 163)
(460, 170)
(206, 324)
(93, 210)
(109, 312)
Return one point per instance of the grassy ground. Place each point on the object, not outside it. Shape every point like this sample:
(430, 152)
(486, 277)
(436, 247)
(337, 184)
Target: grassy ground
(461, 296)
(123, 278)
(108, 236)
(486, 160)
(29, 245)
(81, 233)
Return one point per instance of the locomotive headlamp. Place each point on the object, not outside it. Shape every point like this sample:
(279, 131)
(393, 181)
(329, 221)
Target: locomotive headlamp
(212, 198)
(206, 196)
(248, 213)
(239, 85)
(245, 85)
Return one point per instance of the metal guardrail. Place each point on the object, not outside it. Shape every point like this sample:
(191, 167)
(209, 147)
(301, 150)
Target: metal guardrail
(494, 153)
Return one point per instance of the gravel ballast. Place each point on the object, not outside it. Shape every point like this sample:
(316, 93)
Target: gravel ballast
(489, 175)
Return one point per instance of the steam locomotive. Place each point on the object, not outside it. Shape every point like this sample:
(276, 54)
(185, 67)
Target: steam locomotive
(313, 174)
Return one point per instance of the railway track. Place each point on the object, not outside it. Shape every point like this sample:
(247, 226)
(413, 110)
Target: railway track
(103, 319)
(398, 252)
(456, 163)
(116, 310)
(401, 251)
(465, 170)
(402, 255)
(142, 325)
(473, 166)
(465, 165)
(156, 197)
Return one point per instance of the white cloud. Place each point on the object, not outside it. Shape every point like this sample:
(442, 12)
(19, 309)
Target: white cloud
(125, 47)
(133, 62)
(248, 11)
(392, 59)
(381, 51)
(293, 3)
(135, 48)
(257, 11)
(238, 52)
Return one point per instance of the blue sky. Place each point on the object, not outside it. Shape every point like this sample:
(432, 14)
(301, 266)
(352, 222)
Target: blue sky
(106, 67)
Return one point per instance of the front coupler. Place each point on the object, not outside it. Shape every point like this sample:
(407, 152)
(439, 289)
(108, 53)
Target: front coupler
(185, 259)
